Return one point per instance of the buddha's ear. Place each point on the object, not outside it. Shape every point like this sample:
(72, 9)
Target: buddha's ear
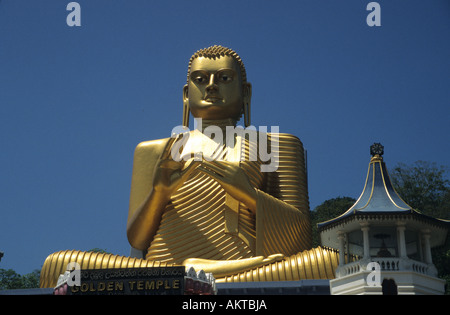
(247, 90)
(186, 111)
(247, 97)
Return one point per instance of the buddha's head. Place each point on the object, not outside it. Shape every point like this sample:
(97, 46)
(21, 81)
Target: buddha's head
(217, 86)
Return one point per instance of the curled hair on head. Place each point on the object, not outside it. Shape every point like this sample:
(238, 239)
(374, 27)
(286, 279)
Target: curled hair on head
(218, 51)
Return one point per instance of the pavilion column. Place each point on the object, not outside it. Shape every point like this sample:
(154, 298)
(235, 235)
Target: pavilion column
(401, 239)
(341, 238)
(365, 230)
(427, 249)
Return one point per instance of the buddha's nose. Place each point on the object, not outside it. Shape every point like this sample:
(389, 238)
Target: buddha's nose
(212, 86)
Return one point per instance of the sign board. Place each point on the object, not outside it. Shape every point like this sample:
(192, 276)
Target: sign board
(131, 281)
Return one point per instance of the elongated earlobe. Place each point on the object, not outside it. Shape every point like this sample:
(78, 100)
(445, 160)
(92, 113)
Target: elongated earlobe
(247, 114)
(186, 110)
(186, 113)
(247, 102)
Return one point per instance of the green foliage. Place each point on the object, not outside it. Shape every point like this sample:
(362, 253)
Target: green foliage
(426, 188)
(9, 280)
(328, 210)
(441, 259)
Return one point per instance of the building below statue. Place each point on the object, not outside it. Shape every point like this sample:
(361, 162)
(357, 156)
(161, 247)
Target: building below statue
(136, 281)
(175, 281)
(301, 287)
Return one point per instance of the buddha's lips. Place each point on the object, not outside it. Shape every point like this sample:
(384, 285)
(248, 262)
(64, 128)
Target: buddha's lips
(212, 98)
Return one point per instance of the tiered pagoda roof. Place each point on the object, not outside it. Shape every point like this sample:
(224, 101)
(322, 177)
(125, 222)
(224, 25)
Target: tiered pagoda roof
(379, 200)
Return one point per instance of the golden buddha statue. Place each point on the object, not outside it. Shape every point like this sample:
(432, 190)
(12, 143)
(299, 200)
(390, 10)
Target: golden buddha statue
(221, 212)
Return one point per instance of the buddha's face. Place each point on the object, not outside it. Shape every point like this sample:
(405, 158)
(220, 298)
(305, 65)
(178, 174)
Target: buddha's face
(215, 89)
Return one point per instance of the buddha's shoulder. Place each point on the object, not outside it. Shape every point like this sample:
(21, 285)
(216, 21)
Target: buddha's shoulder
(286, 138)
(151, 146)
(152, 143)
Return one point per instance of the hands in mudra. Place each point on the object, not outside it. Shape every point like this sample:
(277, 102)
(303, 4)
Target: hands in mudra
(169, 175)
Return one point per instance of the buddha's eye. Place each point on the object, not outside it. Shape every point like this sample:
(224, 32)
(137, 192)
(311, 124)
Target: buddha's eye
(225, 78)
(199, 79)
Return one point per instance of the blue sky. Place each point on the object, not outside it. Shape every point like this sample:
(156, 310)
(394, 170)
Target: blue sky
(75, 101)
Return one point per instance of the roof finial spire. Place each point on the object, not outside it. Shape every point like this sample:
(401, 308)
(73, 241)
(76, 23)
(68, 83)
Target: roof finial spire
(376, 150)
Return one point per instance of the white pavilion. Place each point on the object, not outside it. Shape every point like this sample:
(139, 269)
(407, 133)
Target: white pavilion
(384, 244)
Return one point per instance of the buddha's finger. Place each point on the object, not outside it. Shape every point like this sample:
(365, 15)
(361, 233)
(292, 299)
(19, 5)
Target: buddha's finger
(189, 166)
(210, 172)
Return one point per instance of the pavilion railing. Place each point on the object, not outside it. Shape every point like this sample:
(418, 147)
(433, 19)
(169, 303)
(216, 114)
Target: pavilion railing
(386, 264)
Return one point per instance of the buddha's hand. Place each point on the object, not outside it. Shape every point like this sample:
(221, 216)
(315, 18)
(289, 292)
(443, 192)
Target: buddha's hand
(233, 179)
(169, 174)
